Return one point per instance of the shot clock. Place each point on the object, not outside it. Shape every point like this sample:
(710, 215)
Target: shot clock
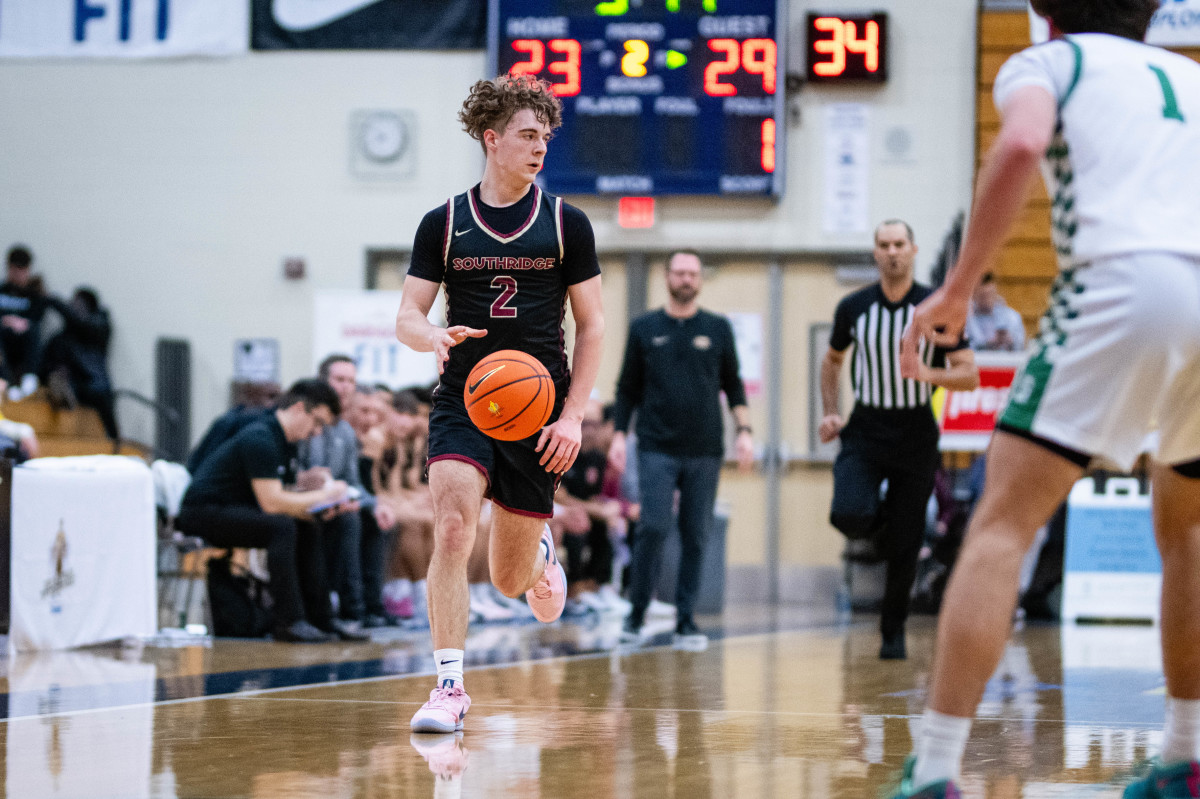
(659, 96)
(844, 48)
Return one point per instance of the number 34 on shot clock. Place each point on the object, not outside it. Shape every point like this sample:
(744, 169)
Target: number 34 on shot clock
(846, 47)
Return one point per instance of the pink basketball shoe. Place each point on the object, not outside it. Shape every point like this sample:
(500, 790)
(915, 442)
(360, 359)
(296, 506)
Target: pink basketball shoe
(549, 595)
(444, 712)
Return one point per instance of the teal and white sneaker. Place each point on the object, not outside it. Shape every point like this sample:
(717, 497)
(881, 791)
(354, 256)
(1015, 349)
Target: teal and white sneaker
(945, 789)
(1171, 781)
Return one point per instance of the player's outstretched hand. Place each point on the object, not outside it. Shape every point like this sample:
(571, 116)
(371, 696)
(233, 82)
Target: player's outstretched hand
(939, 319)
(443, 340)
(559, 444)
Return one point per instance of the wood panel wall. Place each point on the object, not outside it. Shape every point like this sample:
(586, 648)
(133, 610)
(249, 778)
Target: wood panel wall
(1027, 265)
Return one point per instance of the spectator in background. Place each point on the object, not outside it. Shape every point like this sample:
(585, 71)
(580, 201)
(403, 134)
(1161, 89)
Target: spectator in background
(238, 498)
(587, 518)
(678, 360)
(621, 487)
(75, 363)
(252, 401)
(399, 478)
(18, 441)
(22, 305)
(368, 417)
(992, 325)
(332, 454)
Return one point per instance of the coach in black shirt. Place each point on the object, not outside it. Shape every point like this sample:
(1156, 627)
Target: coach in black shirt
(237, 498)
(678, 360)
(892, 433)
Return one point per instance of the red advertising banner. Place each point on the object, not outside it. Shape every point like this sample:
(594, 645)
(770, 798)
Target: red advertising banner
(967, 418)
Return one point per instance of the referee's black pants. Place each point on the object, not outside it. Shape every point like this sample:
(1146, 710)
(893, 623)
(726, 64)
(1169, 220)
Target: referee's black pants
(295, 555)
(901, 447)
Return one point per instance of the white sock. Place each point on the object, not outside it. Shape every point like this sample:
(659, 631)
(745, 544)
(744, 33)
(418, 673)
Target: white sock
(940, 747)
(449, 664)
(1181, 740)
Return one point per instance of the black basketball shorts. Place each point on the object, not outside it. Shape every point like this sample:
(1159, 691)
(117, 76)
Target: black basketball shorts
(516, 481)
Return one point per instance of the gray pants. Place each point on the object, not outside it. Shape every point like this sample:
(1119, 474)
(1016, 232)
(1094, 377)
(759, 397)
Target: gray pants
(659, 477)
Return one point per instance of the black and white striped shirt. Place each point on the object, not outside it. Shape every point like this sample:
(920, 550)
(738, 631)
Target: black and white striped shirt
(875, 326)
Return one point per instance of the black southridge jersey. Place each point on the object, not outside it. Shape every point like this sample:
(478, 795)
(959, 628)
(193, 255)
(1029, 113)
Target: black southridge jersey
(513, 284)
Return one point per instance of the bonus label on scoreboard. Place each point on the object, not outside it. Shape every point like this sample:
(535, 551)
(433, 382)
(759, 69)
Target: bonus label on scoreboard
(659, 96)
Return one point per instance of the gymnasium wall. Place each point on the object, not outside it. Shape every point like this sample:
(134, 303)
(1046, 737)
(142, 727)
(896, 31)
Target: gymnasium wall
(179, 187)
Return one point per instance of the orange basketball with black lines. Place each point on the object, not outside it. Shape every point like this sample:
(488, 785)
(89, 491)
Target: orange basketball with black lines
(509, 395)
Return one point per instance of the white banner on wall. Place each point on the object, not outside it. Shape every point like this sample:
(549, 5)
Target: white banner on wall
(847, 170)
(362, 324)
(748, 338)
(1175, 24)
(123, 28)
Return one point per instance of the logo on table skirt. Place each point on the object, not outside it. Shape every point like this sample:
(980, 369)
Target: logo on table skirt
(62, 577)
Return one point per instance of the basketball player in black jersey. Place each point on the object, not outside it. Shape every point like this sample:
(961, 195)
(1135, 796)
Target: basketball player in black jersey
(510, 256)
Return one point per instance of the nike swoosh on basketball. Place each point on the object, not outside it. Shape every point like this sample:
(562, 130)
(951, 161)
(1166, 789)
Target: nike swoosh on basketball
(471, 388)
(305, 15)
(461, 232)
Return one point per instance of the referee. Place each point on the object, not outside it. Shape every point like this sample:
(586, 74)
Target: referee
(891, 434)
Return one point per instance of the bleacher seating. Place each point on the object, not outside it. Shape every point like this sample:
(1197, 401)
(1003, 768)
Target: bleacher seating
(63, 433)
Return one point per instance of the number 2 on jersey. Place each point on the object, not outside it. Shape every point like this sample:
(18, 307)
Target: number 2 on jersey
(508, 290)
(1170, 104)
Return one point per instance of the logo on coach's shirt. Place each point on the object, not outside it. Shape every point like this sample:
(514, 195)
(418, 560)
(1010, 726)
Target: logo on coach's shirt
(658, 341)
(702, 342)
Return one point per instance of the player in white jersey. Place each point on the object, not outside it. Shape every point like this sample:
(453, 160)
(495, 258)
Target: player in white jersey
(1118, 123)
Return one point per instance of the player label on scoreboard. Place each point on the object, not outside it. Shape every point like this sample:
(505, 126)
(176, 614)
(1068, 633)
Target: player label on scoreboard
(659, 97)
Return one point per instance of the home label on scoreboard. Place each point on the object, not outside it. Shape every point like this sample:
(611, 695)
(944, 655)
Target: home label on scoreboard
(659, 96)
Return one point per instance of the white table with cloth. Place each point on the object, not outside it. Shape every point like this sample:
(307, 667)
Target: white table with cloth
(83, 552)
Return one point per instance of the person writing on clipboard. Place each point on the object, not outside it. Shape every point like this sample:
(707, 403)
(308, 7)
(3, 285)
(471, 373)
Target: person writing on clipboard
(239, 498)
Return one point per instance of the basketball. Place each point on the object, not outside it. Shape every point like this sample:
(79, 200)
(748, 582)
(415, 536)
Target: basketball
(509, 395)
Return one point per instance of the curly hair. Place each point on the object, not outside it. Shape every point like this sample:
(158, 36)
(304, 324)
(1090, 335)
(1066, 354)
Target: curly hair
(492, 103)
(1126, 18)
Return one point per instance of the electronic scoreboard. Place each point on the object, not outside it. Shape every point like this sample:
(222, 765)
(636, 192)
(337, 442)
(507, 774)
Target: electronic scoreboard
(659, 96)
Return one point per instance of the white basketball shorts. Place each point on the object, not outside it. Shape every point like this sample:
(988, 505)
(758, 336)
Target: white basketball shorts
(1117, 355)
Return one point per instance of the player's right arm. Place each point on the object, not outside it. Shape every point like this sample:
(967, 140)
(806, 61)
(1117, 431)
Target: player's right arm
(425, 274)
(1028, 103)
(415, 331)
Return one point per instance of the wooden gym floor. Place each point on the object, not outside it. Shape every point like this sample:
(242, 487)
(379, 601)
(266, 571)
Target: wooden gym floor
(783, 703)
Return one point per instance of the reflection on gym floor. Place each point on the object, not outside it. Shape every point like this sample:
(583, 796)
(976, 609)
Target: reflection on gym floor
(781, 703)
